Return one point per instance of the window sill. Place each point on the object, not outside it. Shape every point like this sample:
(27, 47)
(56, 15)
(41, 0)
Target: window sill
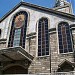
(2, 39)
(43, 56)
(65, 54)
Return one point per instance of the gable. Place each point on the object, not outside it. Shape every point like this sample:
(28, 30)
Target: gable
(48, 10)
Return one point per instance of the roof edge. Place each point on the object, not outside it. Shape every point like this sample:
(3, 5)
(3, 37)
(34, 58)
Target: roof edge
(70, 16)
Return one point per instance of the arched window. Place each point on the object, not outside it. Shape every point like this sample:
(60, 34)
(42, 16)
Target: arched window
(64, 35)
(43, 39)
(18, 30)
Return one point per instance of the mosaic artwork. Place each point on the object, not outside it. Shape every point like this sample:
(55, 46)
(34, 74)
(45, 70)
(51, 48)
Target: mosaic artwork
(19, 21)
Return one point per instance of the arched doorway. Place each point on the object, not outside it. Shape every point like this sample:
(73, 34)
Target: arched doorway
(16, 69)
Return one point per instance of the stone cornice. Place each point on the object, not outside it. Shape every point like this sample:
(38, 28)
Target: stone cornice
(3, 41)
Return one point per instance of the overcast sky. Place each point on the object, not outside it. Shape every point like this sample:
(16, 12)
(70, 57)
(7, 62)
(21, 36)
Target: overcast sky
(6, 5)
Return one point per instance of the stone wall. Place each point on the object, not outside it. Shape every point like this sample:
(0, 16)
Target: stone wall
(31, 45)
(54, 51)
(2, 43)
(40, 65)
(56, 57)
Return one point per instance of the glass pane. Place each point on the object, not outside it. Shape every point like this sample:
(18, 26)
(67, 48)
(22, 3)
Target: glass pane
(39, 42)
(69, 41)
(43, 45)
(39, 26)
(63, 32)
(39, 50)
(39, 36)
(16, 40)
(69, 46)
(39, 47)
(64, 42)
(47, 49)
(46, 31)
(65, 46)
(60, 47)
(64, 35)
(60, 39)
(60, 36)
(67, 31)
(47, 53)
(59, 29)
(68, 34)
(40, 29)
(59, 32)
(39, 39)
(60, 43)
(39, 54)
(68, 38)
(65, 50)
(70, 50)
(61, 51)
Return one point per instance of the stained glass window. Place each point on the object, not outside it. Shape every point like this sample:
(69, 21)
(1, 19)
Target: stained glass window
(43, 40)
(64, 35)
(17, 34)
(18, 30)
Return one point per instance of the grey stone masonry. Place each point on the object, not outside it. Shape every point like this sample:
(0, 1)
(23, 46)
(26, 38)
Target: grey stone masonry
(56, 57)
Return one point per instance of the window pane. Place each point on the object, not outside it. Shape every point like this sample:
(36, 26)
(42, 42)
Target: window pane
(69, 38)
(61, 47)
(68, 34)
(43, 51)
(69, 46)
(47, 49)
(16, 41)
(60, 42)
(39, 53)
(70, 50)
(65, 50)
(47, 53)
(60, 36)
(59, 32)
(69, 41)
(60, 39)
(61, 51)
(65, 46)
(39, 50)
(59, 28)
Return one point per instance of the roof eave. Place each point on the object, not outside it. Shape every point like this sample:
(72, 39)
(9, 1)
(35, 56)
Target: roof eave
(70, 16)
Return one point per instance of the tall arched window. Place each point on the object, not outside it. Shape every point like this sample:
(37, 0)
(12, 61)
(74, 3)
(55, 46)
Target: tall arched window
(18, 30)
(43, 39)
(64, 35)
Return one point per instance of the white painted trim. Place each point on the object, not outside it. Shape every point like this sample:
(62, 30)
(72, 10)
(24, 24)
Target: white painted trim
(57, 38)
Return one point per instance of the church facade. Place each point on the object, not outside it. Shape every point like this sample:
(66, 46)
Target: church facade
(35, 39)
